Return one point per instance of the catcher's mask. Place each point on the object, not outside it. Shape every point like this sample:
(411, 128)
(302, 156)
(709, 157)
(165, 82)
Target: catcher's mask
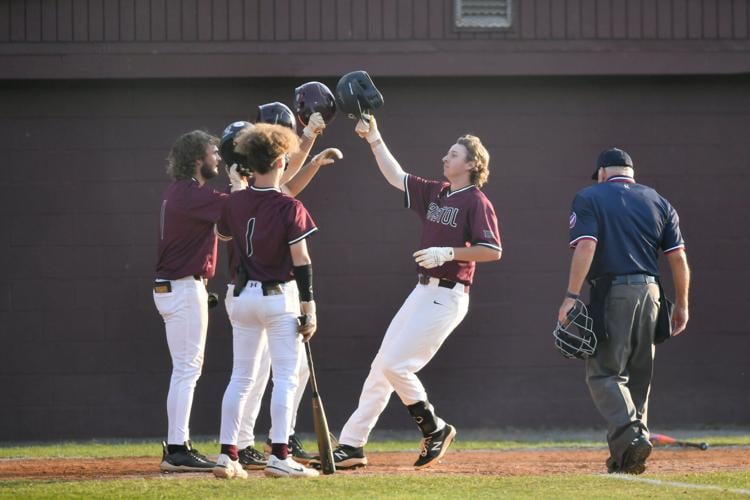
(575, 338)
(357, 96)
(226, 147)
(275, 113)
(314, 97)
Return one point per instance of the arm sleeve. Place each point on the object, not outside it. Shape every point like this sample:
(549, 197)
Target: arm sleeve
(671, 238)
(484, 226)
(582, 223)
(418, 192)
(300, 224)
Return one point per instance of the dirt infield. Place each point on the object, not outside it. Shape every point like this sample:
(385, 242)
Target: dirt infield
(502, 463)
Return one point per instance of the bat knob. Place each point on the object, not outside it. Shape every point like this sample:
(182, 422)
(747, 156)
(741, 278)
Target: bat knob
(703, 446)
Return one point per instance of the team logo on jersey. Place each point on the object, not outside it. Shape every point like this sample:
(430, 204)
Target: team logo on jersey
(442, 215)
(572, 220)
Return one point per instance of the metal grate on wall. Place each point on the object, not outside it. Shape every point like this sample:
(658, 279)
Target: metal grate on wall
(483, 13)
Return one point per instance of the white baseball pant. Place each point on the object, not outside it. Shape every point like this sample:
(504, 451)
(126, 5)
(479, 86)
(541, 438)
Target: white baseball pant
(185, 314)
(260, 382)
(415, 334)
(257, 319)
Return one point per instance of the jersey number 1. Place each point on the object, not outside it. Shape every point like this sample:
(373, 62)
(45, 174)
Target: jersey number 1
(249, 236)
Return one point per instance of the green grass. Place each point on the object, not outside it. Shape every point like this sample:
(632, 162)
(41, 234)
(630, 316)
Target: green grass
(381, 486)
(152, 448)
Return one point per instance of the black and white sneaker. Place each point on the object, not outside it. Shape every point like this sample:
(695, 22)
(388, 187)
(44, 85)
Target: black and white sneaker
(345, 457)
(434, 446)
(185, 460)
(252, 459)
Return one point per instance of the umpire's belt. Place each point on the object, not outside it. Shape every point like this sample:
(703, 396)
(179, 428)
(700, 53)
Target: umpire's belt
(633, 279)
(429, 280)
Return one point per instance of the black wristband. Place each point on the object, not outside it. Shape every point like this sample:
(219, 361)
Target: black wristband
(303, 277)
(571, 295)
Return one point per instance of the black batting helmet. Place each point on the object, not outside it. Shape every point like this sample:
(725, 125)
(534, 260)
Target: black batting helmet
(226, 147)
(357, 96)
(275, 113)
(314, 97)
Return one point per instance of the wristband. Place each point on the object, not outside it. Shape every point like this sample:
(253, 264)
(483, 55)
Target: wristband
(571, 295)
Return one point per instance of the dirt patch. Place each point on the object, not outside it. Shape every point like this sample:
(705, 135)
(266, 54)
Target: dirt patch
(469, 462)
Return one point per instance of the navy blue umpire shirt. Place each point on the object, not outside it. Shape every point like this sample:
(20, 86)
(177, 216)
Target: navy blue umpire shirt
(630, 223)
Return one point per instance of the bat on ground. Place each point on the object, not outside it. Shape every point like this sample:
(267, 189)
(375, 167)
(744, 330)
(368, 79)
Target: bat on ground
(325, 448)
(664, 440)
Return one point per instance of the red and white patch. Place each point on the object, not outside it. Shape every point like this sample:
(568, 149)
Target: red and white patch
(572, 220)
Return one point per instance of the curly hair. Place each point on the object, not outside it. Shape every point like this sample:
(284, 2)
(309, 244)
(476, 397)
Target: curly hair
(186, 150)
(479, 155)
(263, 144)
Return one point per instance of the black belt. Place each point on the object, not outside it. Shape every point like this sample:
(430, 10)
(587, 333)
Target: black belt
(271, 288)
(197, 277)
(633, 279)
(442, 283)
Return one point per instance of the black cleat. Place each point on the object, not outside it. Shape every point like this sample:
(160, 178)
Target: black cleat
(186, 460)
(298, 452)
(345, 457)
(434, 446)
(634, 461)
(252, 459)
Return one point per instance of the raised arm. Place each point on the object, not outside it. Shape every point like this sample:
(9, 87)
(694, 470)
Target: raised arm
(312, 130)
(388, 165)
(301, 180)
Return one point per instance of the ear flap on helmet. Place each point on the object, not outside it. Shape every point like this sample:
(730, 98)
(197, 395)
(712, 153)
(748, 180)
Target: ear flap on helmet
(357, 95)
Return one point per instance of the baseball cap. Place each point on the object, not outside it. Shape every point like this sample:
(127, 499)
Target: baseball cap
(613, 157)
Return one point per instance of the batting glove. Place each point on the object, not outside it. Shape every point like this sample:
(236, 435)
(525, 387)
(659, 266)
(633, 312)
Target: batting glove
(433, 256)
(308, 323)
(315, 126)
(368, 130)
(238, 182)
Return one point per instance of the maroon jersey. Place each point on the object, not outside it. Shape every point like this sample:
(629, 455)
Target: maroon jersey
(263, 223)
(460, 218)
(187, 243)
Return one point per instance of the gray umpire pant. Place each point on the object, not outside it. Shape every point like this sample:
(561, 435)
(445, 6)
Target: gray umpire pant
(619, 375)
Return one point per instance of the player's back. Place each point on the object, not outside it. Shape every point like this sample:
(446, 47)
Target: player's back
(260, 221)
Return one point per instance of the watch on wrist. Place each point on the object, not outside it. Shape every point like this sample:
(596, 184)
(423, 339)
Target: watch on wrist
(571, 295)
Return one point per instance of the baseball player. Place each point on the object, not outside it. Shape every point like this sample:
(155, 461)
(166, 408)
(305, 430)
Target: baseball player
(273, 286)
(617, 228)
(186, 260)
(250, 457)
(459, 228)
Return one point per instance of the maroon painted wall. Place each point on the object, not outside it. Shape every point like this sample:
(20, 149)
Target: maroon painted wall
(83, 350)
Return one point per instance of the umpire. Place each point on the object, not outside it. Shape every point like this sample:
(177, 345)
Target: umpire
(617, 228)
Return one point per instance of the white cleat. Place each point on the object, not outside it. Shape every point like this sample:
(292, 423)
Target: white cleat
(287, 468)
(226, 468)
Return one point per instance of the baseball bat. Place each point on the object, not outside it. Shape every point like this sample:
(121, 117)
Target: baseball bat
(325, 449)
(664, 440)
